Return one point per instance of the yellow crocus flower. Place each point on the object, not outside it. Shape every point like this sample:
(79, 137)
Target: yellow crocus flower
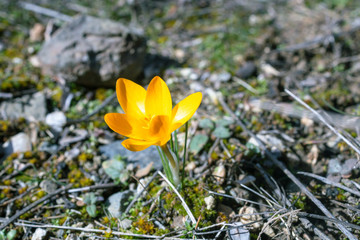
(149, 118)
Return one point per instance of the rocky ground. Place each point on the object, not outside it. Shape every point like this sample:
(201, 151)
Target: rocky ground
(273, 150)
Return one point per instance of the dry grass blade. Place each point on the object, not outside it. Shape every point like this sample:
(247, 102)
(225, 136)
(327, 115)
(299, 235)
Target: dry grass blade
(89, 230)
(347, 206)
(350, 225)
(140, 193)
(286, 171)
(275, 218)
(262, 196)
(240, 199)
(322, 119)
(327, 181)
(187, 209)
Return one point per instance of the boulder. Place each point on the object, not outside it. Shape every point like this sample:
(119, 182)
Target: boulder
(94, 52)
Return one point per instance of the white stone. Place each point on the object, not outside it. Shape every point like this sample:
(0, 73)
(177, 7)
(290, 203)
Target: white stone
(210, 202)
(56, 120)
(18, 143)
(39, 234)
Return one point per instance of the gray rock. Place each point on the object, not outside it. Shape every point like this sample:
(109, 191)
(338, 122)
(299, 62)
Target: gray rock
(334, 166)
(142, 158)
(94, 52)
(348, 166)
(72, 153)
(48, 186)
(239, 233)
(220, 77)
(269, 140)
(125, 224)
(178, 222)
(56, 120)
(39, 234)
(48, 147)
(246, 71)
(32, 107)
(18, 143)
(334, 169)
(118, 202)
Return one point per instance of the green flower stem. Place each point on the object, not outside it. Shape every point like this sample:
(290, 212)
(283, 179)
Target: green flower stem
(173, 164)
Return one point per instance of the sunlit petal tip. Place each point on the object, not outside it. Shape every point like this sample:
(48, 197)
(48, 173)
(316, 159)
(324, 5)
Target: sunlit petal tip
(136, 145)
(185, 109)
(158, 99)
(157, 78)
(131, 96)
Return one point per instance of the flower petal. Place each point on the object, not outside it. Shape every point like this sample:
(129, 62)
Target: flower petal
(184, 110)
(131, 97)
(136, 145)
(126, 125)
(158, 98)
(160, 128)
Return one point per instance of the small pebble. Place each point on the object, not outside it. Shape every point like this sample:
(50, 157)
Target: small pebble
(39, 234)
(246, 71)
(219, 173)
(190, 166)
(48, 186)
(210, 202)
(56, 120)
(249, 216)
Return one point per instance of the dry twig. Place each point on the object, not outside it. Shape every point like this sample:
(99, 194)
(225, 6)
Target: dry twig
(96, 110)
(140, 193)
(327, 181)
(45, 11)
(32, 205)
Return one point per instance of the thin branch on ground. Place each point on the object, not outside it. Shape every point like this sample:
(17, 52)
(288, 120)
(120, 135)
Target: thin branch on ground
(327, 181)
(88, 230)
(17, 197)
(260, 195)
(347, 206)
(45, 11)
(96, 110)
(32, 205)
(93, 187)
(288, 109)
(350, 225)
